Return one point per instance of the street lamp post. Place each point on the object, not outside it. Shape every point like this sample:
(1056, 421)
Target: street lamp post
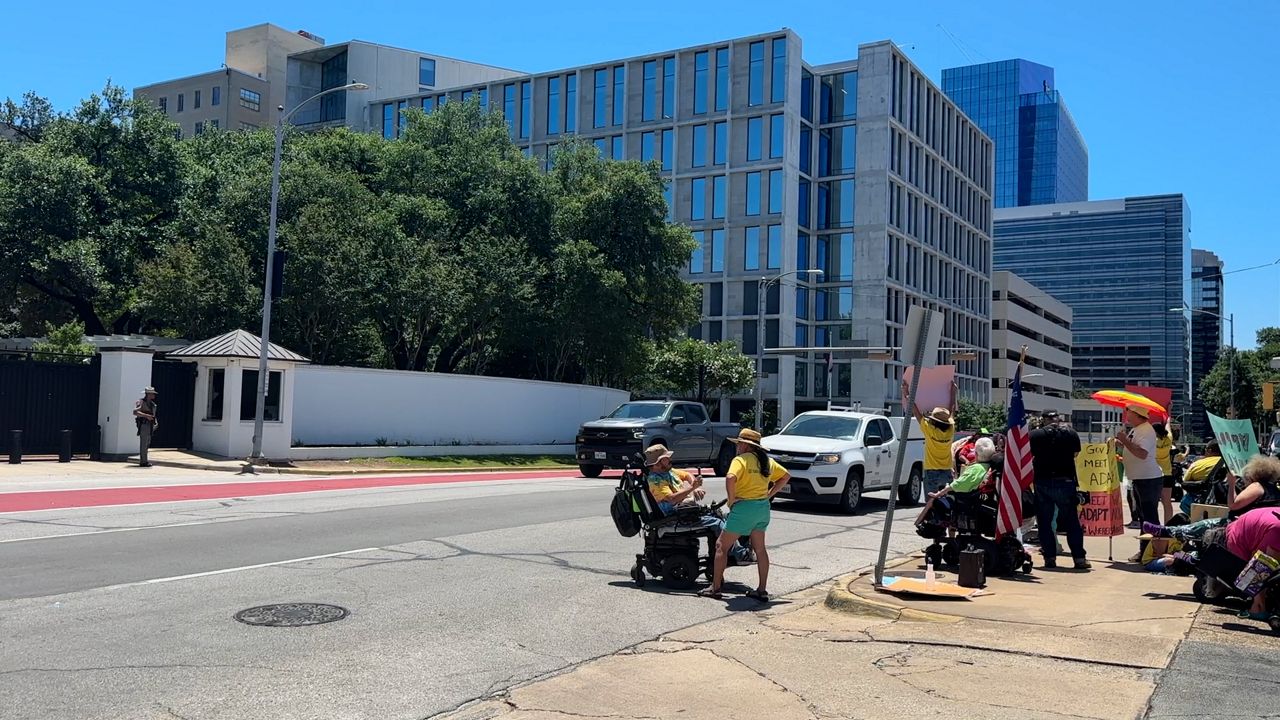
(270, 265)
(762, 291)
(1231, 321)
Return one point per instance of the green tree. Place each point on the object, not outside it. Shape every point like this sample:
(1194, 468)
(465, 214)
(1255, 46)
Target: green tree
(66, 339)
(973, 416)
(1251, 371)
(697, 369)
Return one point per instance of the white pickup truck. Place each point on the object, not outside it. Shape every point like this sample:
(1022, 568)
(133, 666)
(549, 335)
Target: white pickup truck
(834, 456)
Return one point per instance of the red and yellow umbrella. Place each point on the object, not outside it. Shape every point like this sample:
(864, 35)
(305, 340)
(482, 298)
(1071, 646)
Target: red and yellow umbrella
(1123, 399)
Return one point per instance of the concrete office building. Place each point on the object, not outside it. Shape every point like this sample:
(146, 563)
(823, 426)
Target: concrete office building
(1024, 315)
(1041, 158)
(1120, 265)
(1206, 330)
(862, 169)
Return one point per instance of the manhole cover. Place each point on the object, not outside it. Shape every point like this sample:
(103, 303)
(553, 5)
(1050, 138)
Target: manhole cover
(291, 614)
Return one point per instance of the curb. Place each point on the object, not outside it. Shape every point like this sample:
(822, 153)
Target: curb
(267, 470)
(841, 599)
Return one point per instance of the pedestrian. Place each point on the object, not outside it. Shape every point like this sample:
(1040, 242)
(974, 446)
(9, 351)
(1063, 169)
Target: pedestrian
(939, 430)
(753, 480)
(1146, 480)
(1164, 457)
(1054, 447)
(144, 414)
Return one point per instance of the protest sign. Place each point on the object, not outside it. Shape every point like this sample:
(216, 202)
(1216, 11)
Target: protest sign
(1236, 440)
(1096, 474)
(1160, 396)
(934, 390)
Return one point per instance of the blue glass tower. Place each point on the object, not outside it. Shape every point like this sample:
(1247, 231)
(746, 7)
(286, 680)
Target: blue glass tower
(1041, 158)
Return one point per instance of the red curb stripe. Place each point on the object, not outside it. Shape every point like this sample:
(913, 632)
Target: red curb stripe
(94, 497)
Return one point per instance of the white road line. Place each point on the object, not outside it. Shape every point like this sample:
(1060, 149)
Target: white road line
(210, 521)
(224, 571)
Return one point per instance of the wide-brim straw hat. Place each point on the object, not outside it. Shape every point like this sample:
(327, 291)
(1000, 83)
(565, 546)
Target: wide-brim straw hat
(940, 414)
(748, 436)
(1139, 410)
(654, 453)
(149, 389)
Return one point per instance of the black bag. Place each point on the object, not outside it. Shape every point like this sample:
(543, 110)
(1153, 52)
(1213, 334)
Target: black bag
(624, 516)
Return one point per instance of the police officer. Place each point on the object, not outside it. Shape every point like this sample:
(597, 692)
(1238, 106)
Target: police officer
(144, 413)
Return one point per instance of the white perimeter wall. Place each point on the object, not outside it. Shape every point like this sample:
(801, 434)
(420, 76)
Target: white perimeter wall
(356, 406)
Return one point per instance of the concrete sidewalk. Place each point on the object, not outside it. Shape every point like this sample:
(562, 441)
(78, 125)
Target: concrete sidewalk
(1050, 645)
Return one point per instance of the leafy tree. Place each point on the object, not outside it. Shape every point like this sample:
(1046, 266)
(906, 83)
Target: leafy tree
(67, 339)
(697, 369)
(1251, 371)
(26, 122)
(972, 416)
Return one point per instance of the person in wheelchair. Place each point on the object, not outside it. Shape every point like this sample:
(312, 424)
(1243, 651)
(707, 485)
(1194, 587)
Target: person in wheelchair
(974, 474)
(673, 488)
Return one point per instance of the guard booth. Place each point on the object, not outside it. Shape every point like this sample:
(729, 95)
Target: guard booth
(225, 398)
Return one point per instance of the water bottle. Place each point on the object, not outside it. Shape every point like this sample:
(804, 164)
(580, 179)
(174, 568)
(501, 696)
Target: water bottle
(929, 578)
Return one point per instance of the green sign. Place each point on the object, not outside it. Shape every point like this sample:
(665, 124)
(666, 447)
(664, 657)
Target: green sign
(1236, 440)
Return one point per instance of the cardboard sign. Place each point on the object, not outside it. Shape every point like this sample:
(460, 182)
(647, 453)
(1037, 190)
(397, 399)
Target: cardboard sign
(1236, 440)
(1096, 474)
(935, 387)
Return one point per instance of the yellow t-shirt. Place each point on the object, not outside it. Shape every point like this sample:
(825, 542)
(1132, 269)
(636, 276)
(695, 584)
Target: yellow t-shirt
(1164, 446)
(937, 445)
(1200, 470)
(664, 485)
(750, 484)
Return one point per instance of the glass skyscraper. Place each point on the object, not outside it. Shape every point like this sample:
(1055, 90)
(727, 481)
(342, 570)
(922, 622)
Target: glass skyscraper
(1120, 265)
(1206, 330)
(1041, 158)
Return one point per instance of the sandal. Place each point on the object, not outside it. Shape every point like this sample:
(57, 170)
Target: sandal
(760, 595)
(712, 593)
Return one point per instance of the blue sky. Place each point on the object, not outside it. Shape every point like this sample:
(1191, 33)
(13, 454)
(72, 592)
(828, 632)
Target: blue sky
(1171, 96)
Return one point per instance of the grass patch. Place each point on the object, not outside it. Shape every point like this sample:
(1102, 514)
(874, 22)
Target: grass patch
(474, 461)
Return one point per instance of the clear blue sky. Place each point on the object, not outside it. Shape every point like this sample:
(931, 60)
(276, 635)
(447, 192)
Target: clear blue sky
(1171, 96)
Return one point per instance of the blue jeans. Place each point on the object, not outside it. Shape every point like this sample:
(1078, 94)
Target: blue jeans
(935, 480)
(739, 550)
(1058, 495)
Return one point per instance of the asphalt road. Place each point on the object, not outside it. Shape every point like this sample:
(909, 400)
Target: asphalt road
(454, 592)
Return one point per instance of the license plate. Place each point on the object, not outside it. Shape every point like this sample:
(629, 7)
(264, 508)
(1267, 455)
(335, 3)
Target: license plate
(602, 456)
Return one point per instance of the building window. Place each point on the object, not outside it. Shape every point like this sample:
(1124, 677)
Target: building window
(666, 197)
(722, 79)
(835, 204)
(778, 83)
(839, 97)
(700, 69)
(669, 88)
(777, 136)
(509, 107)
(602, 146)
(755, 129)
(248, 99)
(646, 147)
(388, 120)
(775, 191)
(719, 196)
(526, 107)
(803, 205)
(401, 120)
(601, 117)
(213, 124)
(649, 101)
(426, 72)
(619, 94)
(753, 193)
(164, 105)
(717, 251)
(553, 106)
(180, 103)
(802, 252)
(668, 149)
(249, 395)
(215, 399)
(199, 128)
(839, 153)
(215, 96)
(428, 104)
(773, 258)
(195, 101)
(721, 142)
(806, 149)
(751, 250)
(619, 150)
(484, 98)
(802, 306)
(697, 259)
(755, 78)
(698, 199)
(571, 103)
(806, 95)
(699, 146)
(716, 297)
(247, 126)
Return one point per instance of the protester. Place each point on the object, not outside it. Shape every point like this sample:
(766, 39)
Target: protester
(1140, 466)
(144, 414)
(671, 488)
(939, 431)
(1262, 489)
(1200, 474)
(1164, 458)
(1054, 447)
(974, 473)
(754, 479)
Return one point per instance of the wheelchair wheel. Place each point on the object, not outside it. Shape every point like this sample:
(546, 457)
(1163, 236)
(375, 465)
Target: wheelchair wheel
(679, 572)
(1274, 622)
(637, 575)
(1206, 590)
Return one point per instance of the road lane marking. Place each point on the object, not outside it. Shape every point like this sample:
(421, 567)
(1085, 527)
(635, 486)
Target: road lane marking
(210, 521)
(224, 571)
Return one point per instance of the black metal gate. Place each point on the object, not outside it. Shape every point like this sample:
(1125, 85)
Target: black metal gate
(175, 384)
(43, 394)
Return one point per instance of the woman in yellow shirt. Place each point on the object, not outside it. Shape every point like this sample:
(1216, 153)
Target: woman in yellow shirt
(1164, 451)
(753, 479)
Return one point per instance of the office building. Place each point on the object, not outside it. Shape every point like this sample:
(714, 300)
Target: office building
(1206, 330)
(1023, 315)
(1041, 159)
(1120, 265)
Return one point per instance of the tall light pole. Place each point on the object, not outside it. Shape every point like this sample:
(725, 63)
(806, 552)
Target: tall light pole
(761, 292)
(270, 266)
(1231, 320)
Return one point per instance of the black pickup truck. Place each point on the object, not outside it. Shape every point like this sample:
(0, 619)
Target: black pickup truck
(682, 426)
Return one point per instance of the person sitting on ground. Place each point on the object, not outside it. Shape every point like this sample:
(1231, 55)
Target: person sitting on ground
(1256, 530)
(1262, 489)
(672, 488)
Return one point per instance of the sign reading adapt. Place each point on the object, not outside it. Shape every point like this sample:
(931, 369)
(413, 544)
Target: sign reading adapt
(1096, 474)
(1236, 440)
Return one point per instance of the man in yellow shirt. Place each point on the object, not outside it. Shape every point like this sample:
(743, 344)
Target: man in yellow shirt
(670, 488)
(939, 431)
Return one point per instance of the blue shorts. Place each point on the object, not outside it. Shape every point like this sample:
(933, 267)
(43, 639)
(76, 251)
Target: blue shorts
(935, 480)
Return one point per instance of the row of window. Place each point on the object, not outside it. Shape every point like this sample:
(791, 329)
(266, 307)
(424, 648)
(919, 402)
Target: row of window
(927, 113)
(935, 275)
(215, 98)
(837, 96)
(751, 184)
(216, 400)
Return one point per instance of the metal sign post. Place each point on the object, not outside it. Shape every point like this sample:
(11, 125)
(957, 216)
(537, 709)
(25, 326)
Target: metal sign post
(917, 343)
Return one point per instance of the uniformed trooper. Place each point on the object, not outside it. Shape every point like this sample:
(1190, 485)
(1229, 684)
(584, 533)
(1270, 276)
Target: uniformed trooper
(144, 413)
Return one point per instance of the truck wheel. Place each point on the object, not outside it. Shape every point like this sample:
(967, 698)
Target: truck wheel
(852, 495)
(909, 492)
(724, 460)
(591, 471)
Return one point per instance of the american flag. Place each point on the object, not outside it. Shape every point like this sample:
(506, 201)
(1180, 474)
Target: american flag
(1017, 462)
